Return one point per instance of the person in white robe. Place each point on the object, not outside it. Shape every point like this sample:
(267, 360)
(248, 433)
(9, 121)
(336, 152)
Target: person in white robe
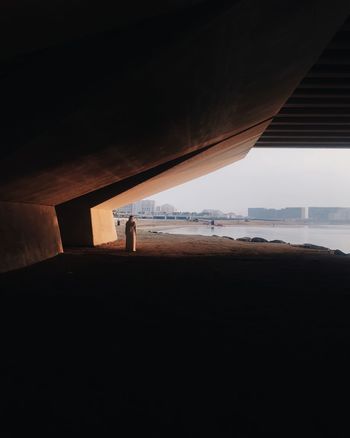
(130, 234)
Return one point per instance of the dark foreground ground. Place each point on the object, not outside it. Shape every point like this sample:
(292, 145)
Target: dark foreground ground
(224, 346)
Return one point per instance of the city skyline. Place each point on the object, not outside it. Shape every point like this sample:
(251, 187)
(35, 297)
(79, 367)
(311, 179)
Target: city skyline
(275, 178)
(148, 207)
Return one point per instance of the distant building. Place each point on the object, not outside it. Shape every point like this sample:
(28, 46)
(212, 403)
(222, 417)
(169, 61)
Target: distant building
(166, 209)
(212, 213)
(341, 215)
(289, 213)
(144, 207)
(329, 214)
(126, 210)
(231, 215)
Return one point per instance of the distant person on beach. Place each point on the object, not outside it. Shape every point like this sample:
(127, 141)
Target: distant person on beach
(130, 234)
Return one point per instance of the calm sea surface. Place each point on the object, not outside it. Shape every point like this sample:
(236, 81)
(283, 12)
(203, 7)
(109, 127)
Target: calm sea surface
(331, 236)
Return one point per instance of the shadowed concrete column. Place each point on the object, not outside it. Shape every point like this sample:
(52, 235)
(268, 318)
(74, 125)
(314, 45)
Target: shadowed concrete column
(28, 233)
(82, 225)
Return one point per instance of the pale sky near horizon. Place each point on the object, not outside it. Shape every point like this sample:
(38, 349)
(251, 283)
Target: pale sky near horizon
(271, 178)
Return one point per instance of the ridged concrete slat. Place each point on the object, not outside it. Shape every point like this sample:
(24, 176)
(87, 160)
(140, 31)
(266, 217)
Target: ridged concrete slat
(323, 83)
(311, 121)
(314, 111)
(316, 102)
(308, 129)
(305, 138)
(317, 114)
(329, 93)
(332, 145)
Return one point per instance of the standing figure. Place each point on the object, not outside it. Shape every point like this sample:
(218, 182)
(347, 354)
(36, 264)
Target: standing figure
(130, 234)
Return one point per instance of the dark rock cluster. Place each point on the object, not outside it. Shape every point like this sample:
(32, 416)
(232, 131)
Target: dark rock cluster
(244, 239)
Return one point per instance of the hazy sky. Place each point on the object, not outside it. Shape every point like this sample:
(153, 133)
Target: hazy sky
(272, 178)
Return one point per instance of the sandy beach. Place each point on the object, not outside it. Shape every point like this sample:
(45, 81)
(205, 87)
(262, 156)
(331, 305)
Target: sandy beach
(153, 241)
(150, 243)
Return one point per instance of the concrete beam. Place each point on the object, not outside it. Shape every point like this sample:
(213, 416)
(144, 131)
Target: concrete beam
(88, 112)
(88, 219)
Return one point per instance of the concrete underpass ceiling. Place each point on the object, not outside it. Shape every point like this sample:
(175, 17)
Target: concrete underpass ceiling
(170, 174)
(225, 153)
(318, 112)
(28, 27)
(87, 113)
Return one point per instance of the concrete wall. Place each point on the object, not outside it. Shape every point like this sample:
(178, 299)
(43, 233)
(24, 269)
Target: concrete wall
(28, 234)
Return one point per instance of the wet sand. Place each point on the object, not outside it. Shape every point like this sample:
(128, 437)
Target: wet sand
(187, 337)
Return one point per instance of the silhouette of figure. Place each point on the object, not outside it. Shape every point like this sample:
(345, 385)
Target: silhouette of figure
(130, 233)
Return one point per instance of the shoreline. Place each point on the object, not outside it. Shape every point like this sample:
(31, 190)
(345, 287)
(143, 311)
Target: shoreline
(155, 242)
(172, 223)
(163, 226)
(162, 229)
(307, 246)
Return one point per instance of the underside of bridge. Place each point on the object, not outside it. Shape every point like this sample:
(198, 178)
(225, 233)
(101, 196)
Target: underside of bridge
(317, 114)
(104, 104)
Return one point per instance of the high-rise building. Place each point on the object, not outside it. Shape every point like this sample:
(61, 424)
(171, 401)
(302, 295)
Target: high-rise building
(125, 210)
(212, 213)
(144, 207)
(329, 214)
(291, 213)
(167, 209)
